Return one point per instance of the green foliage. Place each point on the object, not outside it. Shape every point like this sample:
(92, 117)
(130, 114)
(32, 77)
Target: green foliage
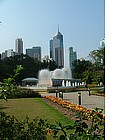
(12, 129)
(88, 76)
(8, 86)
(31, 67)
(39, 129)
(92, 70)
(22, 93)
(9, 89)
(98, 63)
(81, 130)
(98, 57)
(79, 67)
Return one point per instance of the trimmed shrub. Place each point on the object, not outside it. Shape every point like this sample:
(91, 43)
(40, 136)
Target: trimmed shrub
(23, 93)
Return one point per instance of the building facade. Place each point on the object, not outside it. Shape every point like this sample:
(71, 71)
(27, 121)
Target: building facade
(102, 45)
(57, 49)
(34, 52)
(72, 57)
(4, 54)
(51, 48)
(19, 46)
(10, 52)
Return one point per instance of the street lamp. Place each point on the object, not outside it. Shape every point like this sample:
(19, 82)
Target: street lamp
(89, 91)
(56, 91)
(79, 98)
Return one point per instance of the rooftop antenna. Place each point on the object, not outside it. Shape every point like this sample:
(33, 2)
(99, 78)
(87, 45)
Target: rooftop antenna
(58, 27)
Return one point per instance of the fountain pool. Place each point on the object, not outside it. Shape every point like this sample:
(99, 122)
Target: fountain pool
(45, 76)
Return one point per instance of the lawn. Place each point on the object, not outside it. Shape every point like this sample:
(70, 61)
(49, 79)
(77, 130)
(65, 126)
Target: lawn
(32, 107)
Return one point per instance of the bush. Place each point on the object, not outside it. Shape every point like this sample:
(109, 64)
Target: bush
(12, 129)
(39, 129)
(23, 93)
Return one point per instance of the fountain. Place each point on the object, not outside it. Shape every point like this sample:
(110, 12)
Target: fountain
(45, 76)
(59, 80)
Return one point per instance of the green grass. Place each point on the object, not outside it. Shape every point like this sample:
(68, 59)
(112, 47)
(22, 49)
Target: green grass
(32, 107)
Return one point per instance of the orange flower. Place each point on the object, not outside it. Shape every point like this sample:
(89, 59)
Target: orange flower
(89, 113)
(50, 132)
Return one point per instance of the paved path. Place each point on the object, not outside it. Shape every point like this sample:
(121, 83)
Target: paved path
(86, 100)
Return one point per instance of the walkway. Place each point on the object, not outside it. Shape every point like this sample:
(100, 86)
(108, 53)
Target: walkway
(86, 100)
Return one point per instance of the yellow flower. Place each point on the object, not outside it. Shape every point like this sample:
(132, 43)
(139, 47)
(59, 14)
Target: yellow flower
(50, 132)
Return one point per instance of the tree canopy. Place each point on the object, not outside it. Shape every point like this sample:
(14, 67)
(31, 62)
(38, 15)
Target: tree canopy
(30, 66)
(92, 70)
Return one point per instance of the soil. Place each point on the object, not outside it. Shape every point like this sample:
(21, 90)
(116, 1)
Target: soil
(69, 113)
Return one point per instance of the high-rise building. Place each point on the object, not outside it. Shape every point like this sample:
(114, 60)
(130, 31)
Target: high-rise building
(19, 46)
(57, 50)
(72, 57)
(10, 52)
(4, 54)
(34, 52)
(102, 45)
(51, 48)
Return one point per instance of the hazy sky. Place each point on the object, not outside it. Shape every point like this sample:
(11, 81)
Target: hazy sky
(36, 21)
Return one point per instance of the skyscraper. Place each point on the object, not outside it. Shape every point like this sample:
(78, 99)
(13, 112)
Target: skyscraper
(72, 57)
(56, 49)
(19, 46)
(51, 48)
(34, 52)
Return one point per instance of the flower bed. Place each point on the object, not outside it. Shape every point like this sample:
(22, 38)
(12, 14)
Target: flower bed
(98, 94)
(90, 123)
(85, 112)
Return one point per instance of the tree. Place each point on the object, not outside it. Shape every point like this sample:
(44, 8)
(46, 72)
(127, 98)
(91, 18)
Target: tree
(88, 76)
(93, 70)
(98, 60)
(8, 86)
(31, 67)
(98, 57)
(52, 65)
(80, 68)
